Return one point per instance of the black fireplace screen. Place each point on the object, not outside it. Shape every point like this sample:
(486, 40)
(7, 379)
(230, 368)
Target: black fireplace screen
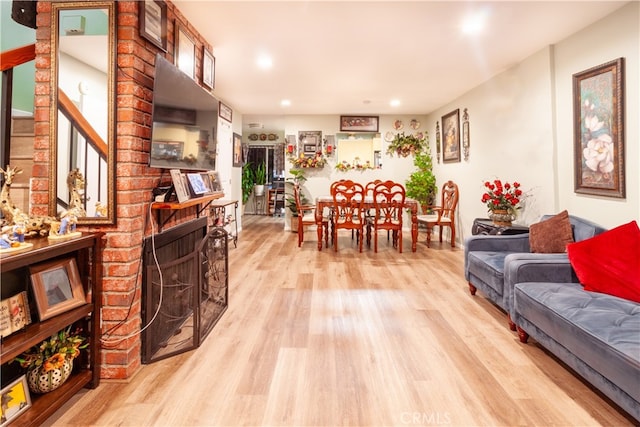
(185, 288)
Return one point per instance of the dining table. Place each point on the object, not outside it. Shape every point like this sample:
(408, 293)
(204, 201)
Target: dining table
(323, 202)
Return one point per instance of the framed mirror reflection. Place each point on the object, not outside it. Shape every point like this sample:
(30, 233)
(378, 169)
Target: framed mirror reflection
(82, 170)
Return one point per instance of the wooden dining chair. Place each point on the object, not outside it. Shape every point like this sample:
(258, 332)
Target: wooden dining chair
(388, 202)
(443, 215)
(307, 216)
(348, 210)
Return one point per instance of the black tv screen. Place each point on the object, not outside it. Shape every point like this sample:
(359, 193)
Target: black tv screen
(183, 134)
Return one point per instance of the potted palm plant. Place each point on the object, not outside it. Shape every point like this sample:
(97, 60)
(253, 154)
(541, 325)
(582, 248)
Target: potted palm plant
(260, 178)
(421, 185)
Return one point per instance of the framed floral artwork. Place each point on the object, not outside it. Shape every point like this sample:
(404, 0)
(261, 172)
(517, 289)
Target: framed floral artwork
(359, 123)
(598, 129)
(451, 137)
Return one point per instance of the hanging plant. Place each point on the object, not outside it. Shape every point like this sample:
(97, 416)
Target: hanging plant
(405, 145)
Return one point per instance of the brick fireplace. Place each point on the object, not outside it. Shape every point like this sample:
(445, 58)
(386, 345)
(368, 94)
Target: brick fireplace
(123, 248)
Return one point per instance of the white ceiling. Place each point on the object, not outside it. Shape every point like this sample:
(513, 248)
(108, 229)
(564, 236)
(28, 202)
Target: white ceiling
(354, 57)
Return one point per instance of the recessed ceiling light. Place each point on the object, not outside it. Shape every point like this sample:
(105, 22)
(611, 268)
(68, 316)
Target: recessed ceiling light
(285, 103)
(395, 102)
(474, 23)
(265, 62)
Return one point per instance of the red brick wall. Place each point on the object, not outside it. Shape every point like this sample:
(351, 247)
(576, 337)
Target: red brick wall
(134, 178)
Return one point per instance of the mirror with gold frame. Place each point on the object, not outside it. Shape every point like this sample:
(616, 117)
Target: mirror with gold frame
(82, 170)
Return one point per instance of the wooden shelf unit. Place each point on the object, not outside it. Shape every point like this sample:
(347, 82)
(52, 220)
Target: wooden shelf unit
(87, 250)
(200, 203)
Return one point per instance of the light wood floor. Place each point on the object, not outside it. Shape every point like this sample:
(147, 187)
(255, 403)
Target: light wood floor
(348, 339)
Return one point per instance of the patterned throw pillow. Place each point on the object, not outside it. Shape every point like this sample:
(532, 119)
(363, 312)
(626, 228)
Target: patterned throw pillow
(551, 235)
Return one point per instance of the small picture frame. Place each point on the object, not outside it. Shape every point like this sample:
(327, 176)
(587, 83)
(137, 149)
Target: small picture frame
(225, 111)
(197, 186)
(153, 22)
(15, 400)
(214, 177)
(237, 150)
(359, 123)
(208, 68)
(57, 287)
(451, 137)
(185, 52)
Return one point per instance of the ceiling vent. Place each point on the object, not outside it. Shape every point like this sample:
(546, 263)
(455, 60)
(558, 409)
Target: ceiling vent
(256, 125)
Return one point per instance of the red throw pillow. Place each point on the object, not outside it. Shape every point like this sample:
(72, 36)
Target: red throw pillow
(551, 235)
(609, 263)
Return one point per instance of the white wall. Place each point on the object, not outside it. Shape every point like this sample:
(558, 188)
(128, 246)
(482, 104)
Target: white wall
(511, 139)
(613, 37)
(521, 127)
(319, 180)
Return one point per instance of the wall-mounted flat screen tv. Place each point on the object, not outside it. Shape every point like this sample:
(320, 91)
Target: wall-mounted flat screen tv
(185, 116)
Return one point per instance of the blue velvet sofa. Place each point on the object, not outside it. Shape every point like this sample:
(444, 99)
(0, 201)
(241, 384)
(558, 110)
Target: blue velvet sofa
(597, 335)
(485, 258)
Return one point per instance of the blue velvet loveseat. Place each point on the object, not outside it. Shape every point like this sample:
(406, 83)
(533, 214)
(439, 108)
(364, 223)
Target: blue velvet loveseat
(485, 258)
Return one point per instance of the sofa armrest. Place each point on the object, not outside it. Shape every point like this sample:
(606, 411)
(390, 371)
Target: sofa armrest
(510, 243)
(535, 267)
(488, 243)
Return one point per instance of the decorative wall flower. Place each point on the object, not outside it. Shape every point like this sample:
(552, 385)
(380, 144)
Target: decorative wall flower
(346, 166)
(302, 161)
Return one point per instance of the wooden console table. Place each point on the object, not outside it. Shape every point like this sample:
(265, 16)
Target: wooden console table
(201, 204)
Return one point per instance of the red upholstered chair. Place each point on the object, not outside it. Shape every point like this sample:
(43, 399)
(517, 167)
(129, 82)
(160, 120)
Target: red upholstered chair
(348, 209)
(443, 215)
(388, 200)
(307, 216)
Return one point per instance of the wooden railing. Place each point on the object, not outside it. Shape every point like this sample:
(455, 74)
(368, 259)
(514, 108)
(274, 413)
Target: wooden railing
(18, 56)
(8, 61)
(71, 112)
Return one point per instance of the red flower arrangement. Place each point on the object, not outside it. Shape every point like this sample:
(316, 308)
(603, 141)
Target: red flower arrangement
(503, 196)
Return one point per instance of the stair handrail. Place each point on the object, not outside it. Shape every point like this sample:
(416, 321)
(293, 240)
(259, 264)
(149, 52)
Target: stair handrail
(17, 56)
(74, 115)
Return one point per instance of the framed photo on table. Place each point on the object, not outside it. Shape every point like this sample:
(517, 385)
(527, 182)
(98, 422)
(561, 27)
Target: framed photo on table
(598, 130)
(185, 52)
(153, 22)
(57, 287)
(208, 68)
(15, 400)
(451, 137)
